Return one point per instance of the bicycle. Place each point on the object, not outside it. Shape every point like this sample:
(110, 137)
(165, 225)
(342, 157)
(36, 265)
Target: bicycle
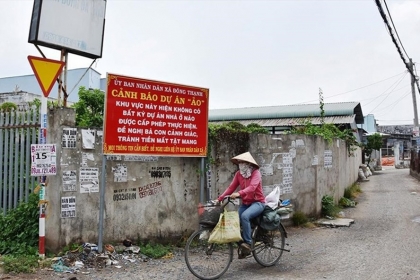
(210, 261)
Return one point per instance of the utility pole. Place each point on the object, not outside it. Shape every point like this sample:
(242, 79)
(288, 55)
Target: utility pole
(413, 93)
(416, 132)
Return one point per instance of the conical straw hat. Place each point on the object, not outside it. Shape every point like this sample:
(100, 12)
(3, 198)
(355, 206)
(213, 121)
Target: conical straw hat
(245, 157)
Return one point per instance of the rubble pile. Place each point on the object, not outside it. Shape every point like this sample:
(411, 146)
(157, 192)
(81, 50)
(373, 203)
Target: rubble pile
(87, 257)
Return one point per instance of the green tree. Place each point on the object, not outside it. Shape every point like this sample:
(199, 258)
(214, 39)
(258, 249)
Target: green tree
(374, 142)
(90, 108)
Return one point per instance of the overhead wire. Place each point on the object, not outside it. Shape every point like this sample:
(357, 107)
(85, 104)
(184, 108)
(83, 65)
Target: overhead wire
(395, 84)
(393, 120)
(395, 29)
(405, 72)
(362, 87)
(394, 40)
(407, 93)
(376, 97)
(386, 95)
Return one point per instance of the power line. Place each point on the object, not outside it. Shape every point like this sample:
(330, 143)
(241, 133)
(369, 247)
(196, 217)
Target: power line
(330, 96)
(391, 33)
(393, 120)
(394, 103)
(388, 121)
(394, 85)
(387, 94)
(376, 97)
(396, 33)
(368, 85)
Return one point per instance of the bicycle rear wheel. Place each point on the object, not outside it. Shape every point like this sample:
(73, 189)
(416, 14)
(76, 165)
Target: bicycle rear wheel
(268, 245)
(207, 260)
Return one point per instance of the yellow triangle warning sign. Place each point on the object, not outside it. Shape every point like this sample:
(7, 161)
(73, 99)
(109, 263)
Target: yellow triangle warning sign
(46, 72)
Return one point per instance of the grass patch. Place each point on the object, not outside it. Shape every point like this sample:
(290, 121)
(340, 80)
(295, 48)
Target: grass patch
(345, 202)
(20, 264)
(73, 247)
(155, 251)
(353, 191)
(299, 218)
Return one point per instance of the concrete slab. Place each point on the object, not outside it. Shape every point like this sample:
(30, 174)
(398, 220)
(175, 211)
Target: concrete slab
(338, 222)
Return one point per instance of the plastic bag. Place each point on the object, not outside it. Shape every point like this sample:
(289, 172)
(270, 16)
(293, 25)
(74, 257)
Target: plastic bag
(209, 214)
(272, 199)
(270, 219)
(227, 229)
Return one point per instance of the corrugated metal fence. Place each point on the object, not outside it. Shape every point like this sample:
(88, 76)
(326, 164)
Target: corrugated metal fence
(18, 130)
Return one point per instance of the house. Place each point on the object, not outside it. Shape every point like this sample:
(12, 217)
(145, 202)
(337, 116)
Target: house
(277, 119)
(26, 87)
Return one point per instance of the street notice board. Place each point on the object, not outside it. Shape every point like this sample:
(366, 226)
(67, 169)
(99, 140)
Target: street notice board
(146, 117)
(43, 159)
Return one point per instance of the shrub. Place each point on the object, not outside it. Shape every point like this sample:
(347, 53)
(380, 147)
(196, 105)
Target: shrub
(20, 229)
(328, 206)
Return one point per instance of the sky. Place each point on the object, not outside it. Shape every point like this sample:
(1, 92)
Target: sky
(249, 53)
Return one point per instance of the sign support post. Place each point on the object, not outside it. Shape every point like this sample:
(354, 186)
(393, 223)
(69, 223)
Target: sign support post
(46, 72)
(42, 206)
(102, 188)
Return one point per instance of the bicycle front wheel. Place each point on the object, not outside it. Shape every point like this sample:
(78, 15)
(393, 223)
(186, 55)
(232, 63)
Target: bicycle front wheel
(207, 260)
(268, 245)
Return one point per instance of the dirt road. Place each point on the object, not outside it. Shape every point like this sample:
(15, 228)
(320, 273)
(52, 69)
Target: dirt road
(383, 243)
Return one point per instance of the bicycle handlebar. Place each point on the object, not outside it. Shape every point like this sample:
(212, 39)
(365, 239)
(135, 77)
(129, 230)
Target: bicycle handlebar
(224, 202)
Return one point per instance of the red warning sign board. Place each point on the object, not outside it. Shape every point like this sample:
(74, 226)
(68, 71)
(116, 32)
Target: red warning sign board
(146, 117)
(46, 72)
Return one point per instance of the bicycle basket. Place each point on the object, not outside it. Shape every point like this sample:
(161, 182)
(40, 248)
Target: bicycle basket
(209, 214)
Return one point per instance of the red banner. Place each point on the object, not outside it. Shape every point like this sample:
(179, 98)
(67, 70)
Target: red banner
(145, 117)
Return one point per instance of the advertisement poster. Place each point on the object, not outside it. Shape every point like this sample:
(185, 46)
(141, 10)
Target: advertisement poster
(43, 159)
(145, 117)
(87, 158)
(68, 207)
(88, 139)
(328, 158)
(89, 180)
(69, 181)
(120, 172)
(69, 137)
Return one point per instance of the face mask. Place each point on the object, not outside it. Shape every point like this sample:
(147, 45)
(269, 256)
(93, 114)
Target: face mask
(243, 166)
(245, 169)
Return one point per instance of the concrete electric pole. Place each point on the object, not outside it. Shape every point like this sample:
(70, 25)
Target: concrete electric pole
(413, 93)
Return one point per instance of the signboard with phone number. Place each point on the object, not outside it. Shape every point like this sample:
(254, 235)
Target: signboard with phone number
(43, 159)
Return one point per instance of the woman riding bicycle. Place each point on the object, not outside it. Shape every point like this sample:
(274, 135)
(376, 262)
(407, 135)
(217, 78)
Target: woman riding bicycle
(248, 179)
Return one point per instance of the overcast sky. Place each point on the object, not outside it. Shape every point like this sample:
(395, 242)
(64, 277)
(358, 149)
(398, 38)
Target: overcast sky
(249, 53)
